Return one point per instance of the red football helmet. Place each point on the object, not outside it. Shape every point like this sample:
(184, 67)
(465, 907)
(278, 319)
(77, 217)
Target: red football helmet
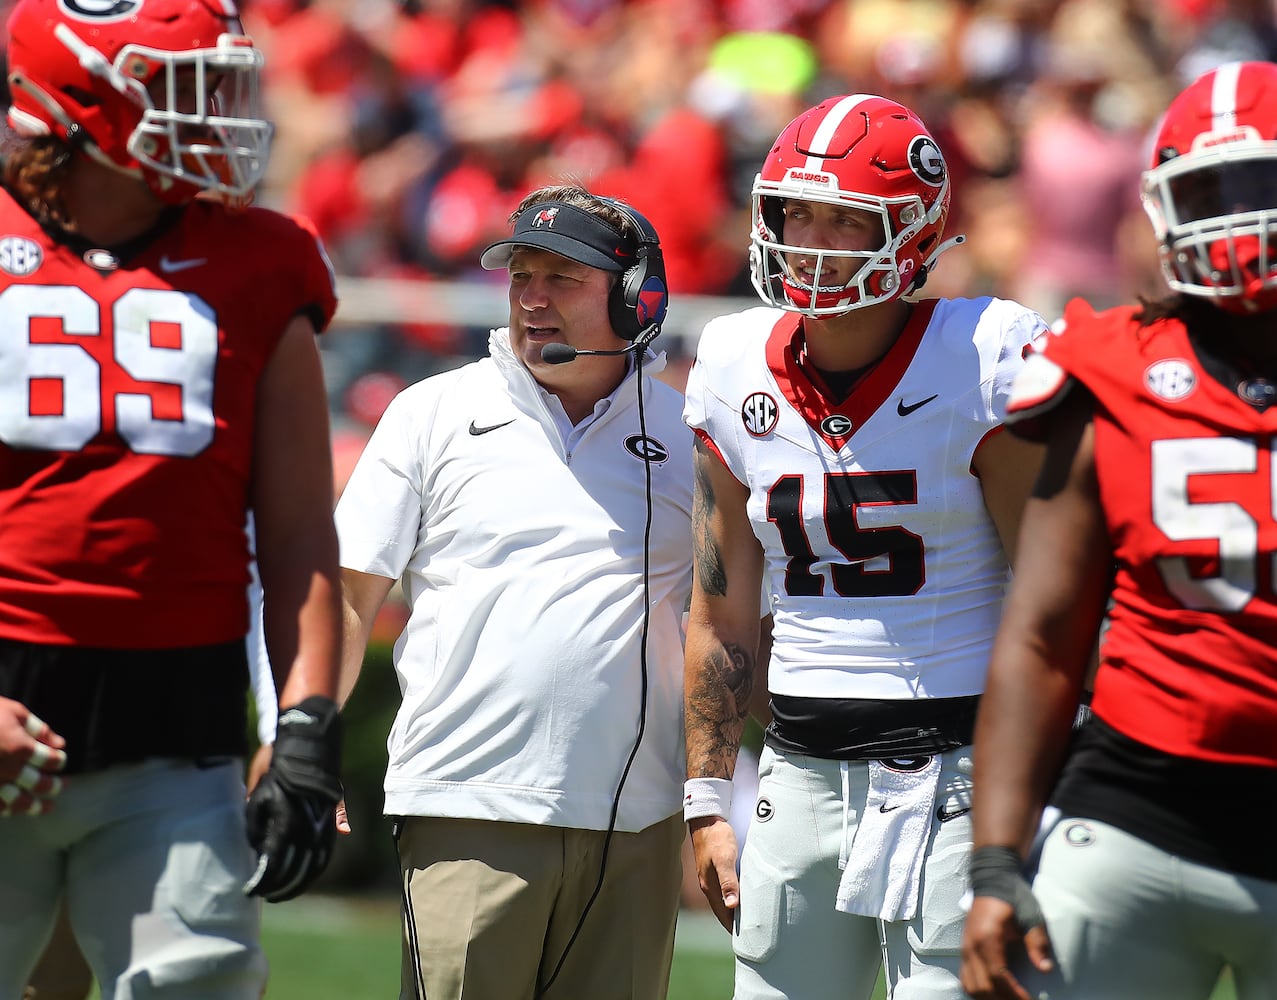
(863, 152)
(165, 90)
(1211, 192)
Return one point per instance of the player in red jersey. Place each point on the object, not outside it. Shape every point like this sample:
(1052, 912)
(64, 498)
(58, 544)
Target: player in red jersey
(1158, 502)
(158, 378)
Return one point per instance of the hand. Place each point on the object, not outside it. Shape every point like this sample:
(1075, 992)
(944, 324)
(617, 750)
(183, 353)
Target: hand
(258, 766)
(1004, 913)
(291, 819)
(714, 844)
(990, 928)
(31, 754)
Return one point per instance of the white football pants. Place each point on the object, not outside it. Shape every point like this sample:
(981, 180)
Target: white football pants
(790, 942)
(1130, 922)
(151, 859)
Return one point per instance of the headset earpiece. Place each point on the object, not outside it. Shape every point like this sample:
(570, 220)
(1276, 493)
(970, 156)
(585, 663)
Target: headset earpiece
(639, 299)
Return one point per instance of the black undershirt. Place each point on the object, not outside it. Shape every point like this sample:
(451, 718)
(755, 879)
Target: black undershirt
(1220, 343)
(869, 728)
(840, 384)
(1220, 815)
(115, 706)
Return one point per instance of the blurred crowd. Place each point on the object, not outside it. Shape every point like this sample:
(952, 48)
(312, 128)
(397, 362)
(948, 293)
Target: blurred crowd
(409, 129)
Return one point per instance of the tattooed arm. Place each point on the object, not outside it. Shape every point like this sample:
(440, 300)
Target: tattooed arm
(722, 638)
(722, 647)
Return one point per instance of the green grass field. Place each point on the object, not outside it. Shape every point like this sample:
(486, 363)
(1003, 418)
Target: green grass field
(335, 949)
(325, 948)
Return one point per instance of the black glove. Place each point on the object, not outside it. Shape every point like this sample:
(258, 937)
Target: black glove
(290, 812)
(997, 872)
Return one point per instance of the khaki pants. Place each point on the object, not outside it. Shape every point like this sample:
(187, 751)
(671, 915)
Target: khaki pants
(491, 907)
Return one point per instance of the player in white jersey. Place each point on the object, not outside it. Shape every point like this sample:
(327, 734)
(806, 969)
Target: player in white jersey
(850, 467)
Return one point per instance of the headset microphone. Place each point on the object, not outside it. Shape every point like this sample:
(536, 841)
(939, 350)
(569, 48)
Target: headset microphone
(561, 354)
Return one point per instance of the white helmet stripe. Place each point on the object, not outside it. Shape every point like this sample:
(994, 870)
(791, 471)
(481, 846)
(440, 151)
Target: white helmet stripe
(833, 120)
(1223, 95)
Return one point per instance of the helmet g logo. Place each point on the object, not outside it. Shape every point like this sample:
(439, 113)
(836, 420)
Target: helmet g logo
(926, 160)
(101, 10)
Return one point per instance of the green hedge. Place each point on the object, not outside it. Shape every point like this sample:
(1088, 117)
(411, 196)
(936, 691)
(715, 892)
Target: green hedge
(365, 860)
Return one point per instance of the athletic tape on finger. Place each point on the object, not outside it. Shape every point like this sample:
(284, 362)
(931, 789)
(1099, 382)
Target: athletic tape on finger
(30, 780)
(9, 794)
(34, 725)
(42, 754)
(27, 778)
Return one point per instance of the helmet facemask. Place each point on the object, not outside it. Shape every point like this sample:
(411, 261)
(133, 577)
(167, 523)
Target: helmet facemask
(204, 127)
(171, 97)
(878, 277)
(1214, 211)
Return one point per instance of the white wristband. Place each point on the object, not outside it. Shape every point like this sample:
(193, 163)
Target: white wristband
(706, 797)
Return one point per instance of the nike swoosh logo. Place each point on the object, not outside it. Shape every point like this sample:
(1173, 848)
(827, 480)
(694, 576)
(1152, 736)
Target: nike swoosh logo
(173, 266)
(904, 410)
(477, 430)
(884, 808)
(318, 821)
(944, 815)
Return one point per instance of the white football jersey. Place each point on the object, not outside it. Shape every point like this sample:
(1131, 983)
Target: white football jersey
(884, 572)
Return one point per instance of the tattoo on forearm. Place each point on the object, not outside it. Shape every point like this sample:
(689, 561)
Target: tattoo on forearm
(708, 563)
(716, 704)
(708, 558)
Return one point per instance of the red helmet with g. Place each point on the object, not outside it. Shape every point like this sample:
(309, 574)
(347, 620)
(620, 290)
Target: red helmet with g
(165, 90)
(862, 152)
(1211, 192)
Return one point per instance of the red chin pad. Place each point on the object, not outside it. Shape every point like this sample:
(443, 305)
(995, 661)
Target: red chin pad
(1255, 297)
(804, 298)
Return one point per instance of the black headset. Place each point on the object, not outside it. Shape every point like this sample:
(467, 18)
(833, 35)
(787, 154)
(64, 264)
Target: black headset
(640, 297)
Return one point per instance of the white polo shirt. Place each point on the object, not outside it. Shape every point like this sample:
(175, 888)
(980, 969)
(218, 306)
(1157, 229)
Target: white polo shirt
(523, 566)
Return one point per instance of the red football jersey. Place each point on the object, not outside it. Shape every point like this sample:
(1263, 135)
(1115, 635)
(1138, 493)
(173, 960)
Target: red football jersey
(127, 397)
(1189, 488)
